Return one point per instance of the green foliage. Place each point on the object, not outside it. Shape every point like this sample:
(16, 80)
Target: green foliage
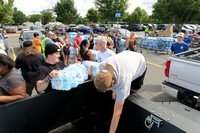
(108, 8)
(82, 20)
(92, 15)
(18, 16)
(176, 11)
(66, 12)
(5, 10)
(138, 16)
(46, 16)
(34, 18)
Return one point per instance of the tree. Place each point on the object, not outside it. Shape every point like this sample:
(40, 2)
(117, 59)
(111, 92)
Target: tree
(81, 20)
(108, 8)
(66, 12)
(92, 15)
(5, 10)
(34, 18)
(46, 16)
(138, 16)
(18, 16)
(176, 11)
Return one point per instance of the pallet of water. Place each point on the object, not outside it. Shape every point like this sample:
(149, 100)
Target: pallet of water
(70, 77)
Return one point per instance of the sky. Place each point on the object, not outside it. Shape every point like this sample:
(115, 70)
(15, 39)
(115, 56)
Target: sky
(30, 7)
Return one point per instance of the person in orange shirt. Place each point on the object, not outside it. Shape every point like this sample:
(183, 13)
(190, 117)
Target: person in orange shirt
(37, 42)
(132, 38)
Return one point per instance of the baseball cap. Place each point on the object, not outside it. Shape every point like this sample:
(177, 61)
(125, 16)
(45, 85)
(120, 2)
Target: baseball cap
(49, 33)
(103, 79)
(51, 48)
(27, 43)
(181, 34)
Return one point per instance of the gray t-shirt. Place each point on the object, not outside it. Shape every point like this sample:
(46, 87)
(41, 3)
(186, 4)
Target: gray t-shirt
(10, 81)
(127, 66)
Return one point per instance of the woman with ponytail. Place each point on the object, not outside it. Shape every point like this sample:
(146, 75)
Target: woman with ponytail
(85, 53)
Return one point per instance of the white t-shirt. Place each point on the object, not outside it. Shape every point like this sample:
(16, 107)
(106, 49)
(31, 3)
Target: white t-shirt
(105, 55)
(128, 66)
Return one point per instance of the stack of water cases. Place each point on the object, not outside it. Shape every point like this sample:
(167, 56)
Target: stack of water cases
(156, 43)
(70, 77)
(91, 67)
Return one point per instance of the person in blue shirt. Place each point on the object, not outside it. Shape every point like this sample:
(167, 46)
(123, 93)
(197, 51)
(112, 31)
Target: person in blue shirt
(114, 38)
(187, 39)
(179, 46)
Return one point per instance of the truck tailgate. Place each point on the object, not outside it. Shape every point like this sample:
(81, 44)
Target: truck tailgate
(185, 73)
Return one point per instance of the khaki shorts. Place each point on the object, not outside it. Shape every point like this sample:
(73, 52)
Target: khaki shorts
(76, 51)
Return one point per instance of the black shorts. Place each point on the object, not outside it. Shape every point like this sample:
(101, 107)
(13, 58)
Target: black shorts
(138, 82)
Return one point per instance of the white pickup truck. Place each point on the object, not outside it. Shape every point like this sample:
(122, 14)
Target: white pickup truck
(183, 76)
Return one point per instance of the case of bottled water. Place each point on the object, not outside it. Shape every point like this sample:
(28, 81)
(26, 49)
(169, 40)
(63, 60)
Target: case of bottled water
(70, 77)
(91, 67)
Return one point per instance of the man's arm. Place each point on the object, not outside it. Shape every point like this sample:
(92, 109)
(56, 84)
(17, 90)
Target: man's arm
(116, 116)
(42, 84)
(15, 94)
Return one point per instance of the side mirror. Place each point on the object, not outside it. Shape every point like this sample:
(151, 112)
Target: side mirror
(21, 38)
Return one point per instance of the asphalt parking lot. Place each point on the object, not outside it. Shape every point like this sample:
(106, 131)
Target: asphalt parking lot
(154, 76)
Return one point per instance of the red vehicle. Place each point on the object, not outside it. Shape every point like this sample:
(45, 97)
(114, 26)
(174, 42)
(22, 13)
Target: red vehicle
(10, 30)
(19, 27)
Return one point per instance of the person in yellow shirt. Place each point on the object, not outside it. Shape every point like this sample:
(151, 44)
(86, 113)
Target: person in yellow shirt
(37, 42)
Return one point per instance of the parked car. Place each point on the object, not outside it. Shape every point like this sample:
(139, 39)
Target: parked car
(85, 29)
(3, 45)
(98, 29)
(124, 26)
(50, 27)
(38, 28)
(59, 29)
(145, 25)
(19, 27)
(161, 27)
(72, 28)
(104, 26)
(135, 27)
(25, 28)
(27, 36)
(189, 28)
(175, 29)
(123, 32)
(10, 30)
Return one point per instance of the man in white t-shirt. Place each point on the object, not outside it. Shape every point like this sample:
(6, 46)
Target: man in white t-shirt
(122, 73)
(104, 51)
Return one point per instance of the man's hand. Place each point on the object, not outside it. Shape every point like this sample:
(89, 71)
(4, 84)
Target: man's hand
(53, 74)
(113, 95)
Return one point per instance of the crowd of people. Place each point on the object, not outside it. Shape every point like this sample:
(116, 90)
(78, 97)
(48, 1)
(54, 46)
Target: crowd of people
(41, 59)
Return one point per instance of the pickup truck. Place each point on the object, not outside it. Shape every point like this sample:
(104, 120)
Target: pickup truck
(183, 76)
(85, 110)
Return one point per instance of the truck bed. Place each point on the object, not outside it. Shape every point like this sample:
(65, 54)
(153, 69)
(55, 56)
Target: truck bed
(85, 110)
(193, 55)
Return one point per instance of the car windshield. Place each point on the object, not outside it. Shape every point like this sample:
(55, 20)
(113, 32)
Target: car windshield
(25, 27)
(37, 28)
(124, 31)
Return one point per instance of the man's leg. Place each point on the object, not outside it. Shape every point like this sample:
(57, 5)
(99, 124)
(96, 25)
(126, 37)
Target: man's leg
(137, 83)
